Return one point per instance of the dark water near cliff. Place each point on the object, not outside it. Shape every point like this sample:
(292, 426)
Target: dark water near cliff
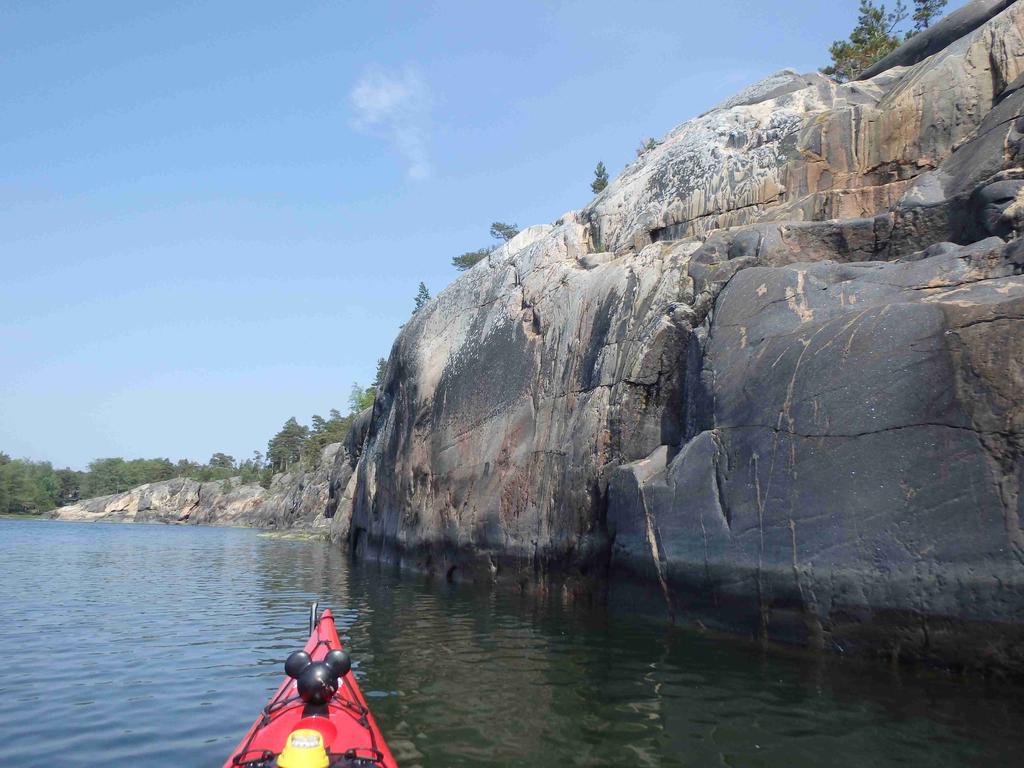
(138, 645)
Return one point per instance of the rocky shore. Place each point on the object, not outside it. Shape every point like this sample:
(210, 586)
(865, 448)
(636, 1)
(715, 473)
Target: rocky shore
(774, 372)
(294, 500)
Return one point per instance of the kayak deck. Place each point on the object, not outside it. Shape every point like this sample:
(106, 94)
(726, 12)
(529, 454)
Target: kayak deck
(349, 732)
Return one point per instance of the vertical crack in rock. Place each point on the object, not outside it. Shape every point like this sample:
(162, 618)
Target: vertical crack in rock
(761, 502)
(657, 558)
(720, 479)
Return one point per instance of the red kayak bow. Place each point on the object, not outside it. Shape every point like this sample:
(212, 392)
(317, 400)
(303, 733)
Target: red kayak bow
(318, 718)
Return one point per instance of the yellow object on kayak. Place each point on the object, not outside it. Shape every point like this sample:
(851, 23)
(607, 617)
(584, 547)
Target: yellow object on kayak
(304, 749)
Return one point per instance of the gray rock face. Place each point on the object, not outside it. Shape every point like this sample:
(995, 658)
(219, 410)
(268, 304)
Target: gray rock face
(299, 499)
(342, 479)
(773, 371)
(491, 434)
(294, 499)
(861, 459)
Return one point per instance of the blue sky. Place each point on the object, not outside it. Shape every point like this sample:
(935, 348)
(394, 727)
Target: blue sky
(214, 216)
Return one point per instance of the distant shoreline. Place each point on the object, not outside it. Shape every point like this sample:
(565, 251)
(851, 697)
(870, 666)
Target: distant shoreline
(293, 534)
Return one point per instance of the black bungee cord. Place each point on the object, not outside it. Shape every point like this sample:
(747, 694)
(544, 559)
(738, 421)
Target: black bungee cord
(279, 704)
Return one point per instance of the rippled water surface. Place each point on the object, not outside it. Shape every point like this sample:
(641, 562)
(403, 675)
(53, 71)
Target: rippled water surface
(156, 646)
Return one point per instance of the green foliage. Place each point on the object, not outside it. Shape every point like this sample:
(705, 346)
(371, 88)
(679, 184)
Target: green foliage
(255, 470)
(28, 487)
(499, 231)
(422, 297)
(876, 36)
(359, 399)
(70, 485)
(115, 475)
(646, 145)
(925, 12)
(382, 369)
(323, 431)
(222, 461)
(504, 232)
(600, 179)
(469, 258)
(285, 448)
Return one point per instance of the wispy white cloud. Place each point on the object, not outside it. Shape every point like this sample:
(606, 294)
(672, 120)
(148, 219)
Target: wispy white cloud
(396, 106)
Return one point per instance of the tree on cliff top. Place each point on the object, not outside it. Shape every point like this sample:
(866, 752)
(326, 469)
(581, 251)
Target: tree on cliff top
(873, 38)
(382, 369)
(360, 398)
(877, 35)
(925, 12)
(600, 179)
(285, 448)
(221, 461)
(422, 297)
(499, 231)
(323, 431)
(464, 261)
(502, 231)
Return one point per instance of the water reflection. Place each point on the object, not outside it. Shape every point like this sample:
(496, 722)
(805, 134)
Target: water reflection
(175, 638)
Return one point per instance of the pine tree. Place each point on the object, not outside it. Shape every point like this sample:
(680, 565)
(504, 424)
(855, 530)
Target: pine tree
(499, 231)
(600, 179)
(466, 260)
(285, 448)
(502, 231)
(873, 38)
(222, 461)
(382, 368)
(422, 297)
(925, 12)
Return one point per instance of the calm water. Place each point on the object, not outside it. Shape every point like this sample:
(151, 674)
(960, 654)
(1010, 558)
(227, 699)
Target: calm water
(143, 645)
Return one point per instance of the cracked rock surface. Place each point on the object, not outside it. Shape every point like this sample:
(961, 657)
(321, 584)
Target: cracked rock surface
(859, 461)
(774, 372)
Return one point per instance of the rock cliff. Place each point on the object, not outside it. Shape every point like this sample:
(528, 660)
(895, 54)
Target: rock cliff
(775, 371)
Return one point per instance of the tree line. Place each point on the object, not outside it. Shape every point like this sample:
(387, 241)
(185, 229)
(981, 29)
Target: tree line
(33, 487)
(298, 446)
